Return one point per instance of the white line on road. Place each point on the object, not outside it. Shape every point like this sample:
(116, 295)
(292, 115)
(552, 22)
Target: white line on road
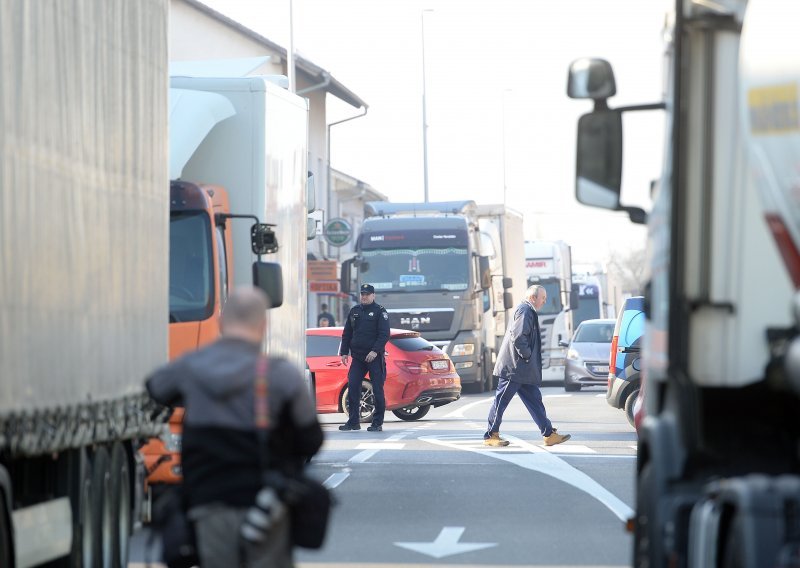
(460, 412)
(381, 446)
(335, 479)
(539, 459)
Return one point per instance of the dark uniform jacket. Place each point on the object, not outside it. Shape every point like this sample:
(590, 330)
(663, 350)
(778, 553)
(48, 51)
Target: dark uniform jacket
(366, 329)
(221, 454)
(520, 356)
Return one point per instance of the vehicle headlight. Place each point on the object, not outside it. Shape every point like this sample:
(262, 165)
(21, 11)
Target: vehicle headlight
(460, 349)
(573, 355)
(172, 441)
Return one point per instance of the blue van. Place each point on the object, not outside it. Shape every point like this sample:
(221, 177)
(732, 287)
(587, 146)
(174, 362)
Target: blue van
(625, 363)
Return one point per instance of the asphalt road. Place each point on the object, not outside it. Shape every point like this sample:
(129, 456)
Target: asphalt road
(428, 493)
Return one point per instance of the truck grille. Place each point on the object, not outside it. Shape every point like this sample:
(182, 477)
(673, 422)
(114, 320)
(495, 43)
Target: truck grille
(421, 320)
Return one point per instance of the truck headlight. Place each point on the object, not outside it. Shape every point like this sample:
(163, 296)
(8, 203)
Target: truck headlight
(460, 349)
(172, 441)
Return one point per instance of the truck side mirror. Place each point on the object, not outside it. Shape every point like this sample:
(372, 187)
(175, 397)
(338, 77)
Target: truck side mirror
(485, 272)
(263, 239)
(507, 282)
(599, 159)
(268, 277)
(345, 276)
(574, 297)
(508, 301)
(311, 193)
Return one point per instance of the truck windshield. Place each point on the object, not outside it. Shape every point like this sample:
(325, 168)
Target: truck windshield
(553, 305)
(191, 274)
(416, 269)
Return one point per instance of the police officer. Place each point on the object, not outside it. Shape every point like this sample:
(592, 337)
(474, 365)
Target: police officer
(365, 334)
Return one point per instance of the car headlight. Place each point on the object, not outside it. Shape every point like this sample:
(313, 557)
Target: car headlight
(573, 355)
(460, 349)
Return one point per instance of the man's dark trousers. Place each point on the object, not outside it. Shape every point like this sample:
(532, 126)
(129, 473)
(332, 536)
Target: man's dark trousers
(377, 375)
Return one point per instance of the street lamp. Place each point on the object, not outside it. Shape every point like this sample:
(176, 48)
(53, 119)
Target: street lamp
(504, 143)
(424, 108)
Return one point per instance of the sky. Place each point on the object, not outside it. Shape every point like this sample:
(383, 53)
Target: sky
(500, 125)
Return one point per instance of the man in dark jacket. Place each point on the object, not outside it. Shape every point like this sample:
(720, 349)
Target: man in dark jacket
(519, 370)
(221, 454)
(365, 334)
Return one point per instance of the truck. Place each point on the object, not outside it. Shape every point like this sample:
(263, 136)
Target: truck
(504, 227)
(549, 264)
(718, 468)
(590, 299)
(220, 192)
(83, 155)
(425, 261)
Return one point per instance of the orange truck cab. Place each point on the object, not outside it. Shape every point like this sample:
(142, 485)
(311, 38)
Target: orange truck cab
(200, 270)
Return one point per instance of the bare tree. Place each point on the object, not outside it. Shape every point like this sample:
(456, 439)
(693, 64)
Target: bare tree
(629, 269)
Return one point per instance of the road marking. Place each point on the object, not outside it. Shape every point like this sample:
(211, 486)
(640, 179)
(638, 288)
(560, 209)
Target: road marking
(446, 544)
(540, 460)
(380, 446)
(557, 396)
(364, 455)
(335, 479)
(460, 412)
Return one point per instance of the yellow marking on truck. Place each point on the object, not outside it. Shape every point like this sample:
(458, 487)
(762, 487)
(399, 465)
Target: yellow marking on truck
(774, 109)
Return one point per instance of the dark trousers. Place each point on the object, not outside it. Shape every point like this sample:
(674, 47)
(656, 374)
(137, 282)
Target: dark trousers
(531, 397)
(377, 374)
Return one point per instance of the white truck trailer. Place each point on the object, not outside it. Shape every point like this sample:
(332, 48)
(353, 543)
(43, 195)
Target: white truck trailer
(504, 227)
(718, 467)
(549, 264)
(255, 145)
(84, 213)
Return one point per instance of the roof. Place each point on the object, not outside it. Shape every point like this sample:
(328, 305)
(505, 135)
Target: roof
(315, 72)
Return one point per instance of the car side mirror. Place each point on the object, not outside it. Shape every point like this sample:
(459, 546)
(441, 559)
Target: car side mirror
(563, 344)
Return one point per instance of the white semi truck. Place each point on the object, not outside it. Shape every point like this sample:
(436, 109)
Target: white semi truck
(549, 264)
(718, 467)
(84, 211)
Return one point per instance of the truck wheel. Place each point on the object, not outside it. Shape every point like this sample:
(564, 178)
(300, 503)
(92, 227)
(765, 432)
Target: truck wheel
(75, 472)
(120, 493)
(5, 533)
(629, 402)
(101, 526)
(412, 412)
(367, 401)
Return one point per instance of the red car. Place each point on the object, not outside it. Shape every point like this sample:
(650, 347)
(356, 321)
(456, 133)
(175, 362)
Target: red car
(419, 375)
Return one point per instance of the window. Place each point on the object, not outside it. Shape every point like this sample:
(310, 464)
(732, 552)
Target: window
(322, 345)
(191, 268)
(412, 344)
(594, 333)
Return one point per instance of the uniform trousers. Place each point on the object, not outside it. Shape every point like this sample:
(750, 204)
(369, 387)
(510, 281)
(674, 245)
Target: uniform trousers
(377, 374)
(531, 397)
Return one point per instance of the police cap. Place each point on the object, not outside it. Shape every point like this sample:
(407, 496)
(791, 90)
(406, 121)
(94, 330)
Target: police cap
(367, 289)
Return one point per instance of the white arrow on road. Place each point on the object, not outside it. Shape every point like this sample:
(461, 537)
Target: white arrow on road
(446, 544)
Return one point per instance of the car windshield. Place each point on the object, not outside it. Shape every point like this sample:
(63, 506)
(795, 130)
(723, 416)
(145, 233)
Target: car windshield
(412, 344)
(594, 333)
(416, 269)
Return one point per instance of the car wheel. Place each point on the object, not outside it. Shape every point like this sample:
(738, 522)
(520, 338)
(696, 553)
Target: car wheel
(629, 402)
(569, 387)
(367, 401)
(412, 412)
